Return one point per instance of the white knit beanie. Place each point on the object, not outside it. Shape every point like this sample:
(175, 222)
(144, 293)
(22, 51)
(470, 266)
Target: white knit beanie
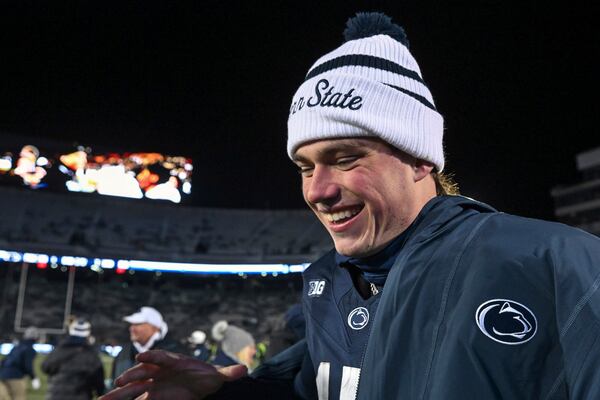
(369, 86)
(233, 339)
(80, 327)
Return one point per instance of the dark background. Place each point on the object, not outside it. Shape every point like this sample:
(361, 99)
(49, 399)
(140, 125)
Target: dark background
(516, 83)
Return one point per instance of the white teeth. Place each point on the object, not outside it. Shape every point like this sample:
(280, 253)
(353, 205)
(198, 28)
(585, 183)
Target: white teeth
(335, 217)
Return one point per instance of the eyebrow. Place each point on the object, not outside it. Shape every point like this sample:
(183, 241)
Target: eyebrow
(347, 144)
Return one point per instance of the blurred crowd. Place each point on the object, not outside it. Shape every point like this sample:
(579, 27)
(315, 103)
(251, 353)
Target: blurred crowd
(75, 370)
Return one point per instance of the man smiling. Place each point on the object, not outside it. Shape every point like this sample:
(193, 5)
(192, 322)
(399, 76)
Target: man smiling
(348, 184)
(427, 294)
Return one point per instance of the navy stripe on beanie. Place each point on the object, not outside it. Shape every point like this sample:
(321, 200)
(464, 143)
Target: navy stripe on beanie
(363, 60)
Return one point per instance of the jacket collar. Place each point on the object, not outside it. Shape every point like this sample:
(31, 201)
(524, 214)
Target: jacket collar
(432, 217)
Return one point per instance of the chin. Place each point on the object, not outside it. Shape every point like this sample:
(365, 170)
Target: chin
(350, 251)
(358, 251)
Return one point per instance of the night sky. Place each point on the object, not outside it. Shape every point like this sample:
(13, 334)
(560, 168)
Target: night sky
(213, 80)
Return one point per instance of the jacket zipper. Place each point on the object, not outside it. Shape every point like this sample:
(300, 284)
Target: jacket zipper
(364, 352)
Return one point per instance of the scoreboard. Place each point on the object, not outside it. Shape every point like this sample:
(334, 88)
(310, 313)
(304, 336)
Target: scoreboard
(39, 164)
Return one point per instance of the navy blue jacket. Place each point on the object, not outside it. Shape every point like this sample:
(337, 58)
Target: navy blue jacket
(478, 305)
(223, 360)
(126, 357)
(19, 362)
(486, 305)
(201, 352)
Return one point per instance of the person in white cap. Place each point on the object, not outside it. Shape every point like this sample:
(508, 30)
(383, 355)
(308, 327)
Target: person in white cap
(147, 330)
(200, 350)
(74, 368)
(426, 294)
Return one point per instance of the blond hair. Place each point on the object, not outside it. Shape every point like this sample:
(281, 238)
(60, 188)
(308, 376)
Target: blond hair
(445, 184)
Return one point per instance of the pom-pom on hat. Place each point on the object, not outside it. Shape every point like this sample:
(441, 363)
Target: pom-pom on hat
(369, 86)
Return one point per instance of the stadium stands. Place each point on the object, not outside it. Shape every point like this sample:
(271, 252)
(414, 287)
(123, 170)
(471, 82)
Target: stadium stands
(122, 228)
(94, 226)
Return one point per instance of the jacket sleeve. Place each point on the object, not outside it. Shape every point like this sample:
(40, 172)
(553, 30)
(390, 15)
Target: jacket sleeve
(577, 279)
(28, 362)
(249, 388)
(98, 379)
(274, 379)
(51, 364)
(122, 362)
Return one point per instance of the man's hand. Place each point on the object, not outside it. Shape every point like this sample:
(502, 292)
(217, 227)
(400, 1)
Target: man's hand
(165, 375)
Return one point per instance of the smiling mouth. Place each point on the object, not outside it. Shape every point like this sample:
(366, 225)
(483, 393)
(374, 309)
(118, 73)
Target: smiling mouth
(340, 217)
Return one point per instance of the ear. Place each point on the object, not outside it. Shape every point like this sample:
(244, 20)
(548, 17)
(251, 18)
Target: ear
(422, 169)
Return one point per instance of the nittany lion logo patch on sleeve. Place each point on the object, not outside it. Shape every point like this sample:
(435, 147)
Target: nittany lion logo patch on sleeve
(506, 321)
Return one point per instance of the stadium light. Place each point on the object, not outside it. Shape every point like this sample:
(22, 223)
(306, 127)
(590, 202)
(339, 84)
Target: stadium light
(42, 348)
(148, 265)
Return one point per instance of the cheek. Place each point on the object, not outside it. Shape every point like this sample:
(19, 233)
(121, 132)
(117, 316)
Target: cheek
(374, 193)
(359, 181)
(386, 199)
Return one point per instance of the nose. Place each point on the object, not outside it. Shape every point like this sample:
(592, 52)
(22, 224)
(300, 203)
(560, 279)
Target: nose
(321, 187)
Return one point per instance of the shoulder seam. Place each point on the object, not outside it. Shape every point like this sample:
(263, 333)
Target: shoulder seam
(579, 306)
(559, 380)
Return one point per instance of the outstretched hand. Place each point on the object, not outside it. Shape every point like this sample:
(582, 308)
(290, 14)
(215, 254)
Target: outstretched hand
(164, 375)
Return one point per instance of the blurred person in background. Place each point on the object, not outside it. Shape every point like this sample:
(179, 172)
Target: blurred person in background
(74, 368)
(236, 346)
(289, 331)
(17, 365)
(147, 331)
(197, 341)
